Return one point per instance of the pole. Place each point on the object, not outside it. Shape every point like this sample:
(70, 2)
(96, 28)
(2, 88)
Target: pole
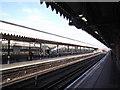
(40, 50)
(8, 52)
(57, 49)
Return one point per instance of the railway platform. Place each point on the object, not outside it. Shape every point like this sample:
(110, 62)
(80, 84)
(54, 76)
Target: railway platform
(104, 74)
(17, 72)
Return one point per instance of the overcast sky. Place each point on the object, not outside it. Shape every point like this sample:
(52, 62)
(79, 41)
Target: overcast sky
(35, 15)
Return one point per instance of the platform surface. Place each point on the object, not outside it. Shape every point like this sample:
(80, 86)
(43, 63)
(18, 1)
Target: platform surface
(33, 62)
(102, 75)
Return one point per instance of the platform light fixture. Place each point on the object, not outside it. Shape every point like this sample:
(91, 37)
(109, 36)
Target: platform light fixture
(84, 19)
(104, 40)
(96, 32)
(80, 15)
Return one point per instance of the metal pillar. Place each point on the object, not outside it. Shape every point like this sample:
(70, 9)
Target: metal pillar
(1, 49)
(40, 50)
(77, 49)
(44, 52)
(68, 48)
(57, 49)
(72, 49)
(8, 62)
(117, 51)
(29, 58)
(86, 49)
(80, 50)
(83, 49)
(89, 49)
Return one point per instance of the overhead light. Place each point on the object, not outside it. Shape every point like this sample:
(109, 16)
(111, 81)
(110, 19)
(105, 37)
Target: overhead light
(112, 44)
(96, 32)
(101, 37)
(104, 40)
(70, 23)
(83, 18)
(80, 15)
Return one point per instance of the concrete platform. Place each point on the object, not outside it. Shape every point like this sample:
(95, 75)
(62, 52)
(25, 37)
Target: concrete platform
(103, 74)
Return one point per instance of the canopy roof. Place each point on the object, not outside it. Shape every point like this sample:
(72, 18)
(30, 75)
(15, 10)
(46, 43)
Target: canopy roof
(8, 36)
(100, 19)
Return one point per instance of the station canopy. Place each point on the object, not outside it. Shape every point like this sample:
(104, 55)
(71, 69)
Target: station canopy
(100, 19)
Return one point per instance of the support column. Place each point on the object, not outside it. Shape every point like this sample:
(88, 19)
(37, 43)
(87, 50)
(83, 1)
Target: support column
(72, 49)
(68, 48)
(8, 62)
(89, 50)
(76, 48)
(86, 49)
(57, 49)
(40, 51)
(44, 47)
(1, 60)
(117, 50)
(83, 49)
(30, 53)
(80, 50)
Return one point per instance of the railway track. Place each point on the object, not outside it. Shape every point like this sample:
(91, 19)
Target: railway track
(58, 79)
(77, 70)
(18, 72)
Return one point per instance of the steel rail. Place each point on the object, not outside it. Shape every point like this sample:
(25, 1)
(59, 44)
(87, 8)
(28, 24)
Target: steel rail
(51, 78)
(71, 76)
